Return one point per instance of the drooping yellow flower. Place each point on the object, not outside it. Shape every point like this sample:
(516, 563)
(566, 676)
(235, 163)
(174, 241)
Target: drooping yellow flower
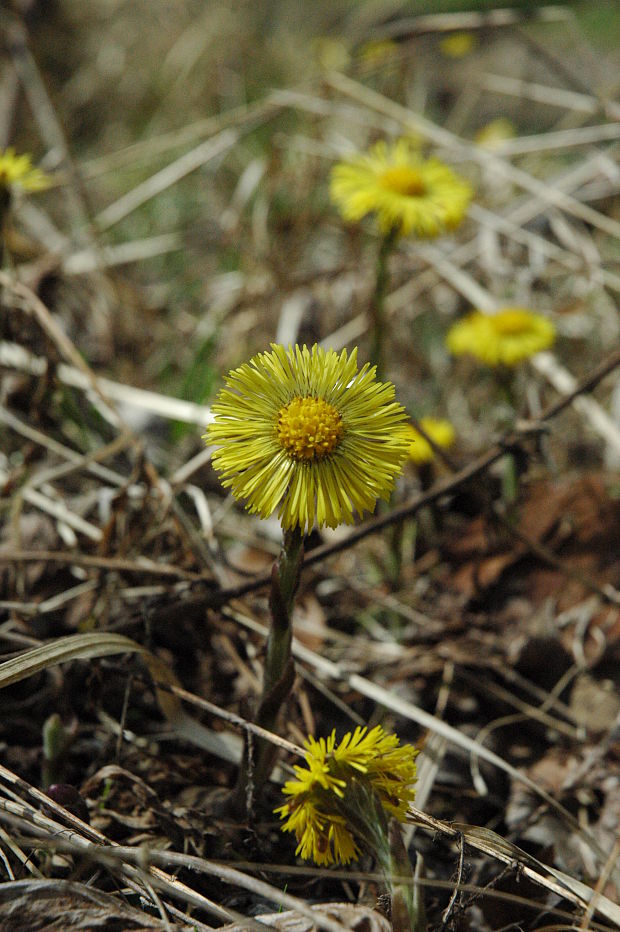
(408, 194)
(305, 432)
(328, 805)
(502, 339)
(439, 430)
(17, 172)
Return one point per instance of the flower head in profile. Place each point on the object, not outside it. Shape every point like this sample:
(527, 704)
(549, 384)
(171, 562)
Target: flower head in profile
(408, 194)
(329, 809)
(440, 431)
(304, 432)
(17, 172)
(502, 339)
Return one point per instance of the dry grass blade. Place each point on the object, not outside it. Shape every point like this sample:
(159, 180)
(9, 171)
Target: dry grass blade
(14, 356)
(142, 567)
(88, 261)
(58, 510)
(557, 881)
(144, 860)
(474, 19)
(104, 644)
(36, 904)
(550, 96)
(56, 835)
(168, 176)
(32, 303)
(490, 842)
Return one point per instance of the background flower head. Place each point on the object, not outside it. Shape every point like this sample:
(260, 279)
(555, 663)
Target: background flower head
(494, 133)
(505, 338)
(439, 430)
(16, 171)
(305, 432)
(328, 808)
(458, 44)
(407, 193)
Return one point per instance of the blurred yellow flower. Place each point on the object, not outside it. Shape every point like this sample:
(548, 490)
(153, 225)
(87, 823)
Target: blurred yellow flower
(494, 133)
(328, 805)
(440, 431)
(304, 432)
(331, 54)
(408, 194)
(16, 172)
(458, 44)
(377, 52)
(501, 339)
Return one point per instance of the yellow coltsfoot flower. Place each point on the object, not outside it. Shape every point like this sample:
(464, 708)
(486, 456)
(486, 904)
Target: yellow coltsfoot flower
(502, 339)
(458, 44)
(331, 54)
(378, 52)
(407, 193)
(17, 172)
(304, 432)
(439, 430)
(493, 134)
(333, 802)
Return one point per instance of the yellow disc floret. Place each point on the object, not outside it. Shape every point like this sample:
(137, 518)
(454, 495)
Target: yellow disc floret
(513, 321)
(309, 428)
(401, 179)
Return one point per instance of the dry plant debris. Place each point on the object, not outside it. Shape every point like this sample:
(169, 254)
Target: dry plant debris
(184, 226)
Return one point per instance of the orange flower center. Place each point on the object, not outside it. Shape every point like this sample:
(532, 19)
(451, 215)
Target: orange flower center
(401, 179)
(309, 428)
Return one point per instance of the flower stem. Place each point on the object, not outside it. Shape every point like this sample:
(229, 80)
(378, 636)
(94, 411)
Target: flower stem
(506, 380)
(279, 669)
(284, 584)
(407, 906)
(377, 307)
(5, 205)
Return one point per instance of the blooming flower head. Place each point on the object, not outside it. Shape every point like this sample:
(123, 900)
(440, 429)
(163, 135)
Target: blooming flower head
(327, 808)
(501, 339)
(408, 194)
(305, 432)
(440, 431)
(16, 171)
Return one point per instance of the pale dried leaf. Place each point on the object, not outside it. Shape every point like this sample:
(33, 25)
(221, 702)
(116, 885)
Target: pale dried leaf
(360, 918)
